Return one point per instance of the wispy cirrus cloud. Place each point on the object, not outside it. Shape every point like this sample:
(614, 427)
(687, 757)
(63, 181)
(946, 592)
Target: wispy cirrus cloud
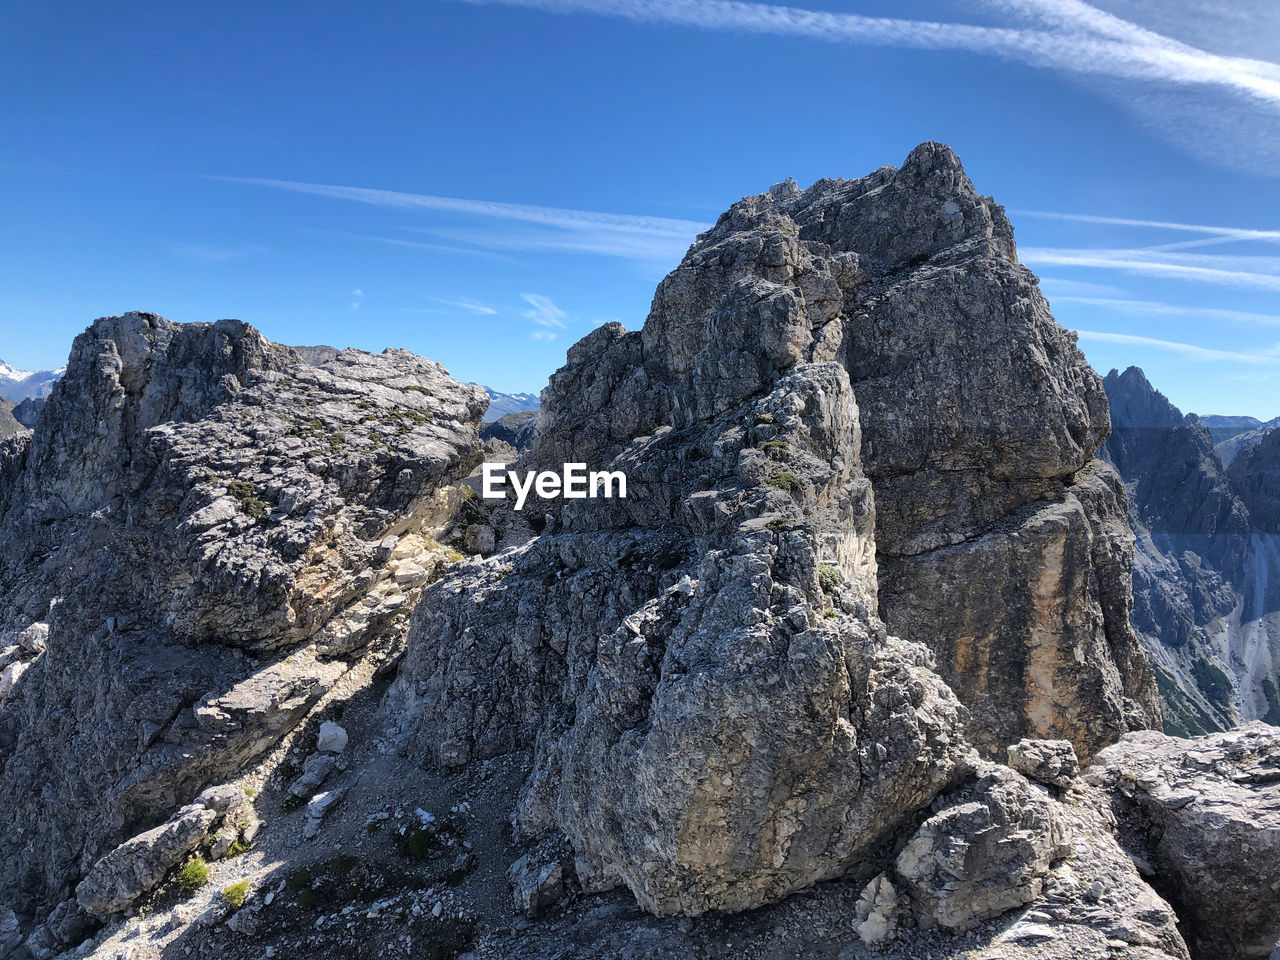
(467, 305)
(1061, 288)
(546, 316)
(1267, 358)
(1152, 308)
(1073, 36)
(1068, 36)
(629, 236)
(1226, 234)
(213, 252)
(1249, 272)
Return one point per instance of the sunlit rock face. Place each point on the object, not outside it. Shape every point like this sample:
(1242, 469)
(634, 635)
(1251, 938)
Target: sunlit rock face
(861, 463)
(203, 535)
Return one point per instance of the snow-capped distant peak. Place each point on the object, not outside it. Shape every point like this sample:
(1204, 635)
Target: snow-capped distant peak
(17, 385)
(500, 404)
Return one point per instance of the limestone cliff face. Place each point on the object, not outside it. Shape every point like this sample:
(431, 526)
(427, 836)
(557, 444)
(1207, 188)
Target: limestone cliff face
(199, 541)
(849, 407)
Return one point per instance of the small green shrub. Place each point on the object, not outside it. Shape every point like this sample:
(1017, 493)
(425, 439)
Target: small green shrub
(776, 449)
(193, 876)
(237, 893)
(830, 614)
(829, 578)
(255, 508)
(786, 480)
(238, 846)
(300, 880)
(418, 845)
(779, 524)
(343, 864)
(307, 899)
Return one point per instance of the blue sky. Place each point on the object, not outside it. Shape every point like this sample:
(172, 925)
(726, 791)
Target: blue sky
(485, 182)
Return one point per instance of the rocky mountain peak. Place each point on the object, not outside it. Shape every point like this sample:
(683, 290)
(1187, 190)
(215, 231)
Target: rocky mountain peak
(849, 414)
(858, 622)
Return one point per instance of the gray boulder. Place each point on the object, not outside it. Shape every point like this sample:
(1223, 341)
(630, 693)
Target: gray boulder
(10, 932)
(1204, 816)
(987, 851)
(139, 865)
(1051, 762)
(332, 738)
(536, 884)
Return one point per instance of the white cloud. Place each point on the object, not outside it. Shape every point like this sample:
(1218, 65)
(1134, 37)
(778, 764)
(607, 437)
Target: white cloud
(1064, 35)
(1226, 234)
(544, 313)
(1080, 38)
(438, 247)
(357, 292)
(602, 241)
(1060, 288)
(1152, 308)
(554, 228)
(551, 216)
(1255, 273)
(213, 253)
(1262, 358)
(469, 305)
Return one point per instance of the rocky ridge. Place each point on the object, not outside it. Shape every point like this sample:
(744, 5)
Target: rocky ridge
(821, 683)
(204, 537)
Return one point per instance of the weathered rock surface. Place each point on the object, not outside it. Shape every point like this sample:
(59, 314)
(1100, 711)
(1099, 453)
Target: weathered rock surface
(10, 425)
(1255, 474)
(718, 714)
(211, 529)
(849, 405)
(1051, 762)
(1204, 816)
(985, 852)
(139, 864)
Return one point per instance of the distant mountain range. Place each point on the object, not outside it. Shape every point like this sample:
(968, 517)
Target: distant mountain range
(1205, 512)
(17, 385)
(500, 404)
(1233, 434)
